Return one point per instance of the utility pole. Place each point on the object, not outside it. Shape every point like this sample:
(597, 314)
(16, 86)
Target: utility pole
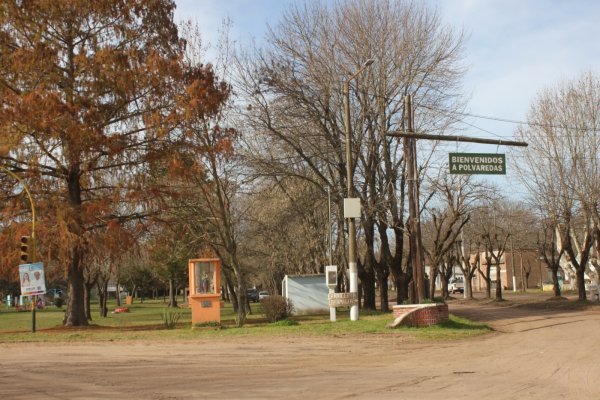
(512, 256)
(497, 259)
(416, 251)
(410, 154)
(462, 252)
(468, 291)
(352, 266)
(330, 231)
(523, 283)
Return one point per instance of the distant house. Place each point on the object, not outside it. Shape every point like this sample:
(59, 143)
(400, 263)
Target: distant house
(529, 271)
(112, 290)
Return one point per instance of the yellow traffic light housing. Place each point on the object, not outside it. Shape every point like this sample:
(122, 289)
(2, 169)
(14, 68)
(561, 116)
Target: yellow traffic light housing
(24, 248)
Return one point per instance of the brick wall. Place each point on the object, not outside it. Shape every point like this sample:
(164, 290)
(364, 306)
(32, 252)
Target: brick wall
(421, 315)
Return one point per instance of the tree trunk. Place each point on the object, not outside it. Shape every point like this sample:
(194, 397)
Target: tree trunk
(242, 298)
(555, 286)
(488, 281)
(366, 269)
(75, 313)
(101, 302)
(118, 294)
(172, 296)
(445, 293)
(232, 295)
(103, 298)
(412, 293)
(433, 272)
(469, 287)
(87, 296)
(367, 281)
(498, 283)
(382, 279)
(368, 284)
(581, 262)
(581, 284)
(390, 265)
(402, 282)
(230, 287)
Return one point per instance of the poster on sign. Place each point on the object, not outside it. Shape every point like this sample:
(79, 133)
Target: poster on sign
(33, 281)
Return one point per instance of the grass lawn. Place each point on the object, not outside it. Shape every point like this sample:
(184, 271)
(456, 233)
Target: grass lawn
(145, 322)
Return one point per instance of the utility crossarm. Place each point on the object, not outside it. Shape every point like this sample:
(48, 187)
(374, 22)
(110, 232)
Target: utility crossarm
(456, 139)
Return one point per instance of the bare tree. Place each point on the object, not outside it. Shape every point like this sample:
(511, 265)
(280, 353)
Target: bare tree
(469, 265)
(495, 235)
(563, 132)
(485, 237)
(293, 105)
(550, 252)
(495, 247)
(486, 273)
(522, 224)
(451, 259)
(457, 197)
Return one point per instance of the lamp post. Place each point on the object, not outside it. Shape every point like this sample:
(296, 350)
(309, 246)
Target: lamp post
(351, 227)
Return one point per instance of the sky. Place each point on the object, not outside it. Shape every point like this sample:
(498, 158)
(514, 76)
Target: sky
(514, 48)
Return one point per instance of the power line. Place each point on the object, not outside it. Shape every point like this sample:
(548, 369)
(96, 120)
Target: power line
(510, 121)
(492, 118)
(474, 126)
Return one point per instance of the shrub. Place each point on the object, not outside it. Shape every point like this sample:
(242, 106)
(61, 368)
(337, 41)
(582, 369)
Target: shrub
(277, 308)
(170, 318)
(58, 302)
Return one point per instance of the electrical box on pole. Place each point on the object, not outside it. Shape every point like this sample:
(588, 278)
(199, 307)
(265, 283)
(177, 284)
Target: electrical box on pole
(331, 276)
(351, 208)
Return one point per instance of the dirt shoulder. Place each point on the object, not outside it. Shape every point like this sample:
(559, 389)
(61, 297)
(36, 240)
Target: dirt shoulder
(535, 353)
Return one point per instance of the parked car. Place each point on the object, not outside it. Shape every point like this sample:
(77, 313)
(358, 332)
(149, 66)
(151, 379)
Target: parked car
(456, 284)
(55, 292)
(263, 295)
(252, 295)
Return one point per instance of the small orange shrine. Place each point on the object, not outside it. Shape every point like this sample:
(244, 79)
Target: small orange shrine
(205, 289)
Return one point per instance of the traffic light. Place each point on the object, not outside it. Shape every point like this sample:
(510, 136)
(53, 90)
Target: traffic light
(24, 248)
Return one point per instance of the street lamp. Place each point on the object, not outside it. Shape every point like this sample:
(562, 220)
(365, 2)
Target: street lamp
(351, 228)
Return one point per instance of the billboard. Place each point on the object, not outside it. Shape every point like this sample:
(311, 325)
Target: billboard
(33, 281)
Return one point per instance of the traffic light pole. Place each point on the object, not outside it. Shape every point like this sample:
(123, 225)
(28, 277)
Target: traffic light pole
(33, 239)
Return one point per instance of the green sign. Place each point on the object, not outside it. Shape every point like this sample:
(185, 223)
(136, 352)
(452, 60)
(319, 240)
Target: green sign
(477, 163)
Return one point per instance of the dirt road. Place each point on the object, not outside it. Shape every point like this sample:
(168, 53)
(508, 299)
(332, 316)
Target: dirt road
(535, 354)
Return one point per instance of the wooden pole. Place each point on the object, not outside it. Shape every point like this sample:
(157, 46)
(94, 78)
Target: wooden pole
(415, 242)
(450, 138)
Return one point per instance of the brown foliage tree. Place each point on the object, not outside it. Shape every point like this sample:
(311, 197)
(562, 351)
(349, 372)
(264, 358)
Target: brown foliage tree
(88, 89)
